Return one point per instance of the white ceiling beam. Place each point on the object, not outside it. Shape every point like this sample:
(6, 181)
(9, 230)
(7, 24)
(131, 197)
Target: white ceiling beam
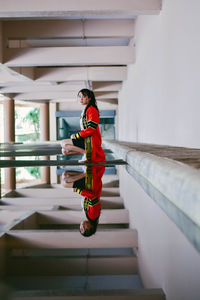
(106, 95)
(62, 56)
(48, 95)
(11, 75)
(106, 86)
(38, 87)
(81, 73)
(63, 87)
(26, 73)
(77, 8)
(68, 28)
(42, 239)
(1, 42)
(110, 101)
(113, 101)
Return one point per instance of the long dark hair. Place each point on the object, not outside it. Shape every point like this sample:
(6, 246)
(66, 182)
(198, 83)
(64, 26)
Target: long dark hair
(93, 229)
(90, 94)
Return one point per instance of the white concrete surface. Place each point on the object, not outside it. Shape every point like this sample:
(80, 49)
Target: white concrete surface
(159, 102)
(166, 258)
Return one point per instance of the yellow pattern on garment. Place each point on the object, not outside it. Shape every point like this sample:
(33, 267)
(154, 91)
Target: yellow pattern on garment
(89, 179)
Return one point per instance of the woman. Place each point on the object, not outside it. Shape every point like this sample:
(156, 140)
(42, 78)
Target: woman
(88, 185)
(88, 140)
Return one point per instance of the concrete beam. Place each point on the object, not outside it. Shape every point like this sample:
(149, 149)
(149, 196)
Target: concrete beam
(26, 219)
(103, 86)
(11, 76)
(106, 73)
(108, 216)
(65, 201)
(1, 42)
(7, 217)
(61, 192)
(126, 294)
(65, 239)
(71, 266)
(68, 96)
(76, 8)
(38, 87)
(24, 208)
(27, 73)
(71, 56)
(48, 95)
(106, 95)
(68, 28)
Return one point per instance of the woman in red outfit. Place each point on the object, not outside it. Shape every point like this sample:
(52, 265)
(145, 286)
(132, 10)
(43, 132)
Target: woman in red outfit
(88, 140)
(91, 190)
(88, 185)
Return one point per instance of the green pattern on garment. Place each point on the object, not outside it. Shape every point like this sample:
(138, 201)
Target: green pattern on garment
(92, 124)
(88, 202)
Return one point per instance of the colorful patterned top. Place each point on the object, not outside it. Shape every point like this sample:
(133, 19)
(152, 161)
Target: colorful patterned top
(91, 134)
(91, 191)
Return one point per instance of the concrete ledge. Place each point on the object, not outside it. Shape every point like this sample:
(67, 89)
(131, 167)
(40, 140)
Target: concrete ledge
(173, 185)
(61, 294)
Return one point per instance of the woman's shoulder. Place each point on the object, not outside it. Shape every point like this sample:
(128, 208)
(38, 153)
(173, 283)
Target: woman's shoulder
(92, 109)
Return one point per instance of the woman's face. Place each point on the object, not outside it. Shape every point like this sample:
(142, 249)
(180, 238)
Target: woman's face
(84, 100)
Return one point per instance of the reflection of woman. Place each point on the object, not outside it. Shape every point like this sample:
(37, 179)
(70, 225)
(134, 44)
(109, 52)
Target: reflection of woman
(88, 185)
(88, 140)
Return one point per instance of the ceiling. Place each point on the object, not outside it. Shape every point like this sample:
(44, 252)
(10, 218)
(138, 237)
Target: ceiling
(52, 49)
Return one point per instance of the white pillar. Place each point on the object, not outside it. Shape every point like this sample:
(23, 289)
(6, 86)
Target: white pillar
(44, 136)
(9, 136)
(53, 107)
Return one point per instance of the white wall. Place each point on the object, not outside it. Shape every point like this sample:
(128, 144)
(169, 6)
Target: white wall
(160, 101)
(166, 258)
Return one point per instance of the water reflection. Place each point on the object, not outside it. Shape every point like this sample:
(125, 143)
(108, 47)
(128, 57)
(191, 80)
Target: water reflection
(89, 185)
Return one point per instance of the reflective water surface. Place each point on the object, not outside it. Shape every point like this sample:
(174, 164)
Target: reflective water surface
(68, 236)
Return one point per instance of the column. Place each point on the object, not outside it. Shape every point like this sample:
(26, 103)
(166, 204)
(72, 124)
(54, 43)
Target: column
(53, 107)
(44, 136)
(9, 136)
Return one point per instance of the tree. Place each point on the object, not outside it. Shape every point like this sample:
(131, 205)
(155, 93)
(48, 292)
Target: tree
(33, 117)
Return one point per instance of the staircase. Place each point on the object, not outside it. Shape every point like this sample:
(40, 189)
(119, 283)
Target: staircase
(47, 258)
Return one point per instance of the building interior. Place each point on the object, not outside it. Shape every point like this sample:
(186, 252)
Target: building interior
(141, 60)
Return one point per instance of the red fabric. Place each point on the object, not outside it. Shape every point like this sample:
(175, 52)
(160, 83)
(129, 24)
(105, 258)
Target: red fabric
(97, 153)
(93, 211)
(95, 190)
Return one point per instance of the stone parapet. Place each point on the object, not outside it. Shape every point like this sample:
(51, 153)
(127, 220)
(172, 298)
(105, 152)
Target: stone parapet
(174, 186)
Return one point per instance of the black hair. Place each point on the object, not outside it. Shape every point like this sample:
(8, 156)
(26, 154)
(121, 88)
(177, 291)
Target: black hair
(90, 94)
(93, 229)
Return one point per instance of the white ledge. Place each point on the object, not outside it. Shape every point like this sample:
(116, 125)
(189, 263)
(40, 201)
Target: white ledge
(173, 185)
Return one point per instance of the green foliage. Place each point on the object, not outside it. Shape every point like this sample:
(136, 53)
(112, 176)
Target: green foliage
(33, 118)
(34, 171)
(26, 137)
(16, 114)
